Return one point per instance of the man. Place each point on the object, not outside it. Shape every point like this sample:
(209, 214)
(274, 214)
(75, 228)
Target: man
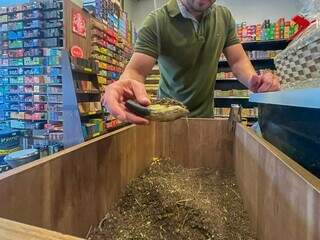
(187, 38)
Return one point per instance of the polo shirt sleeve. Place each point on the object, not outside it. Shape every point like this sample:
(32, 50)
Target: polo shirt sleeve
(148, 40)
(232, 37)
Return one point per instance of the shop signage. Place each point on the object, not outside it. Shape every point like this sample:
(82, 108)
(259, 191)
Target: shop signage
(77, 52)
(79, 23)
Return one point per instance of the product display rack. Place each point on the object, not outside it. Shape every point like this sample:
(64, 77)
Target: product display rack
(232, 85)
(84, 116)
(111, 47)
(31, 37)
(152, 82)
(81, 101)
(42, 99)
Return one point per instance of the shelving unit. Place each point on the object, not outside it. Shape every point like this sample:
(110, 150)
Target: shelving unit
(232, 84)
(265, 45)
(38, 95)
(83, 114)
(110, 38)
(31, 41)
(152, 82)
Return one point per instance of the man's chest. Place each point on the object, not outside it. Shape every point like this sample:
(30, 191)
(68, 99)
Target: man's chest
(185, 46)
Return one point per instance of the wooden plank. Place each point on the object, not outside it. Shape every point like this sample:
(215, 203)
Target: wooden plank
(73, 190)
(70, 38)
(282, 198)
(10, 230)
(196, 143)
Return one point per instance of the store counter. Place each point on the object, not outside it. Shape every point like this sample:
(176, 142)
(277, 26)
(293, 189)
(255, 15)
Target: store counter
(290, 121)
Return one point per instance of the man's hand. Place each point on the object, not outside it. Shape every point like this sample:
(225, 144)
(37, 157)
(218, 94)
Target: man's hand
(264, 83)
(117, 93)
(245, 72)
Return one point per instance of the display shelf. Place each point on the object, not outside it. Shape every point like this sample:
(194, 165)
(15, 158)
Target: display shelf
(265, 45)
(268, 62)
(27, 45)
(78, 69)
(88, 92)
(258, 64)
(227, 102)
(55, 103)
(227, 116)
(229, 85)
(26, 84)
(29, 120)
(81, 99)
(91, 114)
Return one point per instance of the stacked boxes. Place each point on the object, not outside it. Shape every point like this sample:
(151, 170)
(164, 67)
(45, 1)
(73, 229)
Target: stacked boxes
(246, 112)
(123, 25)
(256, 55)
(231, 76)
(97, 8)
(28, 66)
(281, 29)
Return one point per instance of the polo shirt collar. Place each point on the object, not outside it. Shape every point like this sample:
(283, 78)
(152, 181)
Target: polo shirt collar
(173, 8)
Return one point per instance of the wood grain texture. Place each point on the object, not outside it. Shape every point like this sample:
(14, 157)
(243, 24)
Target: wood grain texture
(10, 230)
(282, 198)
(73, 190)
(196, 143)
(70, 38)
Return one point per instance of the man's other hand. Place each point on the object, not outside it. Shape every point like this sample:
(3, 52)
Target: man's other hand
(264, 83)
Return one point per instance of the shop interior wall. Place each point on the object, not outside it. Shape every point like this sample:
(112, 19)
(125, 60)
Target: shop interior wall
(256, 11)
(251, 11)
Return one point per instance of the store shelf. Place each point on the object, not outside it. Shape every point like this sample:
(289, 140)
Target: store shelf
(227, 102)
(22, 11)
(265, 63)
(29, 120)
(265, 45)
(55, 103)
(227, 116)
(83, 70)
(229, 85)
(88, 92)
(91, 114)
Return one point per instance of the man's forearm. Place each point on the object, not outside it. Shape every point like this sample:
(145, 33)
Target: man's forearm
(133, 74)
(240, 63)
(243, 70)
(139, 67)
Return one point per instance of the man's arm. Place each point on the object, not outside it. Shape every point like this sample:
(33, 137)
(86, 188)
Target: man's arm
(245, 72)
(131, 82)
(139, 67)
(129, 86)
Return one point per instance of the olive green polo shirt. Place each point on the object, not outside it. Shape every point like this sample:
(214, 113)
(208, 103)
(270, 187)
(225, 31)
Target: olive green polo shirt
(188, 58)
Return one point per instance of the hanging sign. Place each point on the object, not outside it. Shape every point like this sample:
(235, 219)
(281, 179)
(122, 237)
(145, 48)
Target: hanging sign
(79, 23)
(76, 52)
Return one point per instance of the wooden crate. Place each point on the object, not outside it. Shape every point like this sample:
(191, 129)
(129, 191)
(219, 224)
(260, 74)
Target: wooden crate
(72, 190)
